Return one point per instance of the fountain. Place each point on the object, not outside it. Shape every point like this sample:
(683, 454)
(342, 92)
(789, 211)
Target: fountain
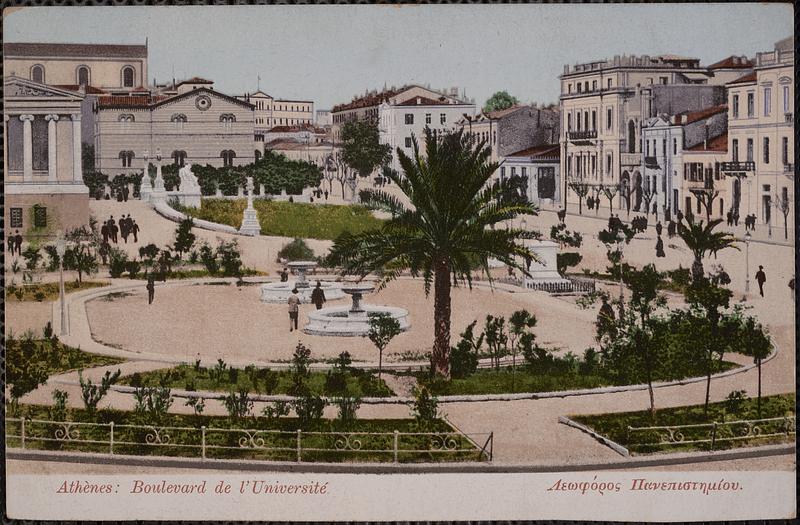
(354, 320)
(280, 292)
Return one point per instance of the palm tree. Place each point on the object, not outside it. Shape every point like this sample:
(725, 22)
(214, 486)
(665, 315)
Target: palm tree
(446, 233)
(701, 238)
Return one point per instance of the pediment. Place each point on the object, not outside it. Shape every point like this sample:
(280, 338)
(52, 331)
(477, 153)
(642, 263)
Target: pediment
(16, 87)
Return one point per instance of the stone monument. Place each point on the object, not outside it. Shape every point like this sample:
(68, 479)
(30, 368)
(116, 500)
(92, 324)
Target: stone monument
(250, 225)
(545, 270)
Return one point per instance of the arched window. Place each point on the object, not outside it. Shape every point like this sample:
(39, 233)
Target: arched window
(83, 75)
(179, 158)
(631, 137)
(179, 119)
(227, 120)
(227, 157)
(37, 73)
(126, 117)
(127, 76)
(258, 155)
(127, 158)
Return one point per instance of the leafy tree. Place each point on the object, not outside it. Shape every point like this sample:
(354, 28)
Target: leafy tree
(238, 404)
(425, 409)
(297, 250)
(581, 189)
(706, 196)
(362, 150)
(755, 342)
(610, 191)
(520, 325)
(92, 394)
(32, 256)
(382, 329)
(701, 239)
(564, 237)
(464, 356)
(26, 366)
(81, 259)
(445, 231)
(117, 262)
(496, 338)
(499, 101)
(184, 238)
(149, 253)
(209, 258)
(230, 258)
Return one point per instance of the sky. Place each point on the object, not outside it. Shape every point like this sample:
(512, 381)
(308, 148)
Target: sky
(328, 54)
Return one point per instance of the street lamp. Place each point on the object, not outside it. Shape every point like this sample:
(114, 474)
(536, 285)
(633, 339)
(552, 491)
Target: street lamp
(747, 238)
(620, 240)
(61, 248)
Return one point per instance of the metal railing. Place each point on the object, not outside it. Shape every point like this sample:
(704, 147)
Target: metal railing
(710, 433)
(257, 444)
(630, 159)
(568, 286)
(747, 165)
(789, 117)
(582, 135)
(788, 168)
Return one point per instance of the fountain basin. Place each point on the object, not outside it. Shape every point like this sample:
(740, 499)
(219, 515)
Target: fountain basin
(341, 321)
(278, 293)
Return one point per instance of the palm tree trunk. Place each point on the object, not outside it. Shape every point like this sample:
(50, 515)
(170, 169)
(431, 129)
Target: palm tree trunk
(440, 357)
(758, 362)
(697, 269)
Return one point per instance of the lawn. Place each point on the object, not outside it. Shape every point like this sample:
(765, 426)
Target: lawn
(615, 426)
(290, 219)
(53, 356)
(359, 383)
(503, 381)
(47, 291)
(266, 439)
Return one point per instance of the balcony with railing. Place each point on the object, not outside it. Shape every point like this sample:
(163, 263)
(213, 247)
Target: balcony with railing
(581, 136)
(738, 165)
(789, 116)
(651, 162)
(700, 184)
(630, 159)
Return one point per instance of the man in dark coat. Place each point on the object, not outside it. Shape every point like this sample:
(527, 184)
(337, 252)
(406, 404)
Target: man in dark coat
(318, 296)
(660, 248)
(134, 230)
(18, 242)
(761, 278)
(151, 288)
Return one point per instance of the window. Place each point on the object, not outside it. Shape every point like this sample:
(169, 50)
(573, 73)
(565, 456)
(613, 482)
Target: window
(513, 171)
(127, 76)
(609, 160)
(785, 150)
(83, 76)
(586, 86)
(409, 142)
(586, 120)
(569, 121)
(427, 118)
(524, 172)
(569, 88)
(751, 104)
(227, 157)
(735, 104)
(663, 80)
(749, 150)
(766, 150)
(409, 118)
(127, 158)
(442, 118)
(594, 120)
(179, 119)
(502, 172)
(126, 117)
(674, 146)
(179, 157)
(609, 83)
(16, 217)
(594, 85)
(579, 87)
(786, 101)
(39, 216)
(37, 73)
(609, 118)
(767, 101)
(647, 148)
(735, 150)
(649, 81)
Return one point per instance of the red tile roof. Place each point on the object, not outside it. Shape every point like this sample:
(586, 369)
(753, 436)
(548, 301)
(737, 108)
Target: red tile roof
(295, 128)
(128, 101)
(544, 150)
(694, 116)
(732, 62)
(90, 90)
(366, 101)
(750, 77)
(719, 143)
(74, 50)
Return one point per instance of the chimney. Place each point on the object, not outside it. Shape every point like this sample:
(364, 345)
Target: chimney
(683, 119)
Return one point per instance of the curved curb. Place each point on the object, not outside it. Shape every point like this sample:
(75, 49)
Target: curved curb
(613, 445)
(99, 348)
(685, 458)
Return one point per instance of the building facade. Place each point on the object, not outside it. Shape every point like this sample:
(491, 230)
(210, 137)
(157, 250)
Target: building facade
(110, 67)
(43, 172)
(197, 125)
(402, 114)
(761, 137)
(603, 108)
(270, 112)
(704, 188)
(540, 165)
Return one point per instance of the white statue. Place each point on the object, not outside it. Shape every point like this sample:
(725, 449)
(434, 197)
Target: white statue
(188, 179)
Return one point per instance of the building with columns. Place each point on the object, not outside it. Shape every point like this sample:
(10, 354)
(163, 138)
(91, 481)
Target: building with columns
(541, 167)
(761, 137)
(43, 175)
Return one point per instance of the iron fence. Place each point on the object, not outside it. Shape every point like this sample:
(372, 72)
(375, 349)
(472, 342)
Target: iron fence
(257, 444)
(710, 434)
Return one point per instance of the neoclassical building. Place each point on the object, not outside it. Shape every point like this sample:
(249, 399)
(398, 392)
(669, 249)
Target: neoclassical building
(192, 123)
(42, 167)
(110, 67)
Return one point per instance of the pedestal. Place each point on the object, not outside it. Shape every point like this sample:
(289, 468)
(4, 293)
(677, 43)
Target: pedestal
(250, 225)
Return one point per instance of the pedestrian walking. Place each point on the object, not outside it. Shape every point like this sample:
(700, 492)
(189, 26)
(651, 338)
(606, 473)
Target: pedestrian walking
(294, 309)
(104, 232)
(124, 228)
(10, 242)
(729, 218)
(151, 288)
(125, 191)
(761, 278)
(736, 219)
(134, 230)
(326, 194)
(18, 242)
(318, 296)
(660, 248)
(680, 216)
(659, 228)
(112, 229)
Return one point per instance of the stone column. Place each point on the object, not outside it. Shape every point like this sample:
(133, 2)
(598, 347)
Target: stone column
(5, 143)
(77, 162)
(250, 224)
(27, 148)
(52, 173)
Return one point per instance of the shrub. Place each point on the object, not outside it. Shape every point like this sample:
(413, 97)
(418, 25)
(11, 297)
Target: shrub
(230, 258)
(735, 401)
(92, 394)
(276, 410)
(209, 259)
(198, 404)
(47, 331)
(309, 409)
(238, 404)
(590, 363)
(464, 356)
(567, 260)
(348, 407)
(136, 380)
(297, 250)
(149, 253)
(425, 408)
(58, 412)
(39, 295)
(117, 262)
(52, 258)
(133, 267)
(32, 256)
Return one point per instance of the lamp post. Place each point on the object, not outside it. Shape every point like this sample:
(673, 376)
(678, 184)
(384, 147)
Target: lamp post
(61, 248)
(747, 238)
(620, 240)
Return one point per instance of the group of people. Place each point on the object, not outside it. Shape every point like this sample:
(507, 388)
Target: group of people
(127, 227)
(319, 193)
(750, 223)
(15, 243)
(317, 299)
